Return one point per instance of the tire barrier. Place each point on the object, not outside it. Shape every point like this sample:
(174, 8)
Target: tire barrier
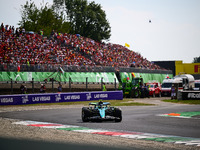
(59, 97)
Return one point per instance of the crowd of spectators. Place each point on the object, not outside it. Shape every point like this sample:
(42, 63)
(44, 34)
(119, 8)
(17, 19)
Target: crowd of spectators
(18, 47)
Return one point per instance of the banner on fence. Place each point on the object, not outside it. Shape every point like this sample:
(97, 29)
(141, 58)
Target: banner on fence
(59, 97)
(108, 77)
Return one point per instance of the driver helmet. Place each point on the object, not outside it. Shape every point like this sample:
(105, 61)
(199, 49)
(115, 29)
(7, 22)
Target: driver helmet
(100, 103)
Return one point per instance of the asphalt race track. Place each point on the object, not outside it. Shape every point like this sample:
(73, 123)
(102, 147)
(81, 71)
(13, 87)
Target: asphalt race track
(135, 118)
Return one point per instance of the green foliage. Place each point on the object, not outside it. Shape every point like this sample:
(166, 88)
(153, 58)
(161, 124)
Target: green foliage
(86, 19)
(196, 60)
(35, 19)
(30, 16)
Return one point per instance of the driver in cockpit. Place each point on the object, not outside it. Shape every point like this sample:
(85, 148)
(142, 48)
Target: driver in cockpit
(100, 103)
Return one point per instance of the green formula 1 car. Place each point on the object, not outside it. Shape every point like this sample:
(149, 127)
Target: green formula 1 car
(101, 111)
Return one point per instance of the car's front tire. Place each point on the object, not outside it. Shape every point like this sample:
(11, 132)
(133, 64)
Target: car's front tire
(85, 114)
(118, 115)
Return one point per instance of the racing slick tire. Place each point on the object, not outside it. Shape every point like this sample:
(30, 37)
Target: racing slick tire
(85, 114)
(118, 115)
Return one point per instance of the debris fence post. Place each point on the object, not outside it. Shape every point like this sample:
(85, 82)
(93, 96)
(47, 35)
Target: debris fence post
(115, 84)
(70, 88)
(102, 83)
(86, 83)
(52, 85)
(11, 86)
(32, 85)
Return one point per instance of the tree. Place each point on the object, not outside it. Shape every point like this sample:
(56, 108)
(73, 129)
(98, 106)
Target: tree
(46, 18)
(30, 16)
(196, 60)
(97, 27)
(86, 19)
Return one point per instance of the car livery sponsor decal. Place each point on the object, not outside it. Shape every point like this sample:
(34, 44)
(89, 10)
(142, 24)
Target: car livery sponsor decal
(123, 134)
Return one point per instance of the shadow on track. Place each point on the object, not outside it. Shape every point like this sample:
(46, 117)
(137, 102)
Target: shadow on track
(10, 144)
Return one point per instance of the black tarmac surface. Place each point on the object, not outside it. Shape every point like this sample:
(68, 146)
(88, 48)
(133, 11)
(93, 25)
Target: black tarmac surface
(135, 118)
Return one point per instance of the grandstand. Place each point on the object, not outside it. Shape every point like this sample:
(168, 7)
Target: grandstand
(25, 51)
(19, 47)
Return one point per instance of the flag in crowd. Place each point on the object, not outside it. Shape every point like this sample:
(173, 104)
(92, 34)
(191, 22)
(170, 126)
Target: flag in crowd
(127, 45)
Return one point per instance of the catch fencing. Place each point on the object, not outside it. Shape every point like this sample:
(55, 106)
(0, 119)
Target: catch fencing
(70, 68)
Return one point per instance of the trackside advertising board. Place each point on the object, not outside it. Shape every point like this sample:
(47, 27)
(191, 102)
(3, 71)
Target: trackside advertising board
(59, 97)
(194, 95)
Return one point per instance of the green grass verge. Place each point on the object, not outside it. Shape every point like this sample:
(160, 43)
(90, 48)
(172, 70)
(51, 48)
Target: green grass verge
(125, 102)
(196, 102)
